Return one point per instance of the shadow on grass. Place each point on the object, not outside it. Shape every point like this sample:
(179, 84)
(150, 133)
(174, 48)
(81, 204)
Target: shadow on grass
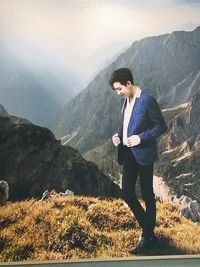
(164, 246)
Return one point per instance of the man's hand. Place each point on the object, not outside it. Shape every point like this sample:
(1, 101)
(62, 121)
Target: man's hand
(133, 140)
(116, 140)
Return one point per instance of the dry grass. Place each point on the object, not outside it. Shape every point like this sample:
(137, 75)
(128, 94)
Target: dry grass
(84, 227)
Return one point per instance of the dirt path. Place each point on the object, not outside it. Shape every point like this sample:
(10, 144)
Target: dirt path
(161, 190)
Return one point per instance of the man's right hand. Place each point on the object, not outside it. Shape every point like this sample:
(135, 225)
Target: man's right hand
(116, 140)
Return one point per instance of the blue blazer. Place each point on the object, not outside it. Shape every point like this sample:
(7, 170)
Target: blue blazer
(146, 121)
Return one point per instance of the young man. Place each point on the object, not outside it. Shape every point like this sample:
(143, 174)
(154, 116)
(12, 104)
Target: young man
(141, 123)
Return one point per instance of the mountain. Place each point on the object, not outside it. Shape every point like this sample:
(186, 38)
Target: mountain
(104, 56)
(33, 161)
(167, 65)
(33, 83)
(105, 156)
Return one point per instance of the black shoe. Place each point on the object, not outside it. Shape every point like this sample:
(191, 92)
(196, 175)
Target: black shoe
(146, 244)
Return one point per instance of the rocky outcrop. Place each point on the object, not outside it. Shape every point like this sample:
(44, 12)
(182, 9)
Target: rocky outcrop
(12, 119)
(3, 111)
(53, 194)
(4, 191)
(180, 149)
(190, 209)
(33, 161)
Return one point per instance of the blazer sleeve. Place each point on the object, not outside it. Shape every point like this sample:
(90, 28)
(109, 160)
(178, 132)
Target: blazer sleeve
(156, 120)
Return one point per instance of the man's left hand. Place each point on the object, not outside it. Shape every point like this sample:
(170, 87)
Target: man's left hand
(133, 140)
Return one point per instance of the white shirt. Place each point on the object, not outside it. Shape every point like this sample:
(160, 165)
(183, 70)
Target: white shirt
(127, 113)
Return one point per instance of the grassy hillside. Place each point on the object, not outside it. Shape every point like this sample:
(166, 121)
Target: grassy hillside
(83, 227)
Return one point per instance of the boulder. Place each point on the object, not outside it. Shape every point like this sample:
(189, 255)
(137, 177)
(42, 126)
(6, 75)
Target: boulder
(191, 211)
(4, 191)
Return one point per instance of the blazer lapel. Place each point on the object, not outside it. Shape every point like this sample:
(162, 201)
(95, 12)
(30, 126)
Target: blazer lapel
(123, 106)
(122, 119)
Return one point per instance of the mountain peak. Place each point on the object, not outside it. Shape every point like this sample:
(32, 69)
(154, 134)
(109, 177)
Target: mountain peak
(3, 111)
(197, 29)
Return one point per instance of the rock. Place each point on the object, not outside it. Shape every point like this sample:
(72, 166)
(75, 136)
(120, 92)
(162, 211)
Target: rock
(186, 213)
(45, 195)
(184, 200)
(194, 208)
(4, 191)
(54, 194)
(67, 193)
(3, 111)
(191, 211)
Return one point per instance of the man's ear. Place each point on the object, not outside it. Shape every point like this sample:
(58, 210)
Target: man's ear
(128, 83)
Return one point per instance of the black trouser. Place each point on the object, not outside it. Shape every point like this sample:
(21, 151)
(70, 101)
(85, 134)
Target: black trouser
(131, 170)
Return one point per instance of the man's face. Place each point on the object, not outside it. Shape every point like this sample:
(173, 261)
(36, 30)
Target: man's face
(122, 90)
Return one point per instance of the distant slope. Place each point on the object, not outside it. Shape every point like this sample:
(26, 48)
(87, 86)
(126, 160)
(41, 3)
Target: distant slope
(167, 65)
(23, 96)
(33, 84)
(105, 156)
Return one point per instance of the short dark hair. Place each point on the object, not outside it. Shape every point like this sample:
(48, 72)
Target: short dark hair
(122, 75)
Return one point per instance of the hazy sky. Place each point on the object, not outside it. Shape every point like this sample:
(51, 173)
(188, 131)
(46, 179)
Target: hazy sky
(75, 29)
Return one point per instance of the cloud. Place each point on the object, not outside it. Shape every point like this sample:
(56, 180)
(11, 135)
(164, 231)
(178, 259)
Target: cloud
(74, 29)
(188, 2)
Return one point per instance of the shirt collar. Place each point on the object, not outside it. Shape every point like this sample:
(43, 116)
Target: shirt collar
(138, 92)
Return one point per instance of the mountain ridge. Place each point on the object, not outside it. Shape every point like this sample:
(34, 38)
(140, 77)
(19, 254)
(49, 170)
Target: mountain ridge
(167, 65)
